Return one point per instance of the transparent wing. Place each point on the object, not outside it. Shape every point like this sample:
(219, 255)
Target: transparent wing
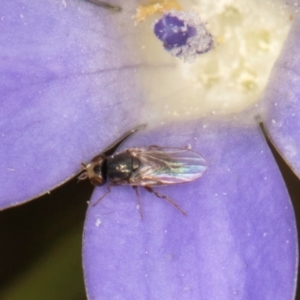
(163, 166)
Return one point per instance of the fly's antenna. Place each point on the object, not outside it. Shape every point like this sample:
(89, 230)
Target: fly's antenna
(84, 174)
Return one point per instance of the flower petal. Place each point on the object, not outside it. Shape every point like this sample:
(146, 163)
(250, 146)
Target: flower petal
(238, 239)
(282, 99)
(62, 79)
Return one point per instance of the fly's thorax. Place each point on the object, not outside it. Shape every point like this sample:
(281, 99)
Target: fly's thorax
(120, 167)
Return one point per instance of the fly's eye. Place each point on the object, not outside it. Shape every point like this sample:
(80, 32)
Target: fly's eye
(97, 169)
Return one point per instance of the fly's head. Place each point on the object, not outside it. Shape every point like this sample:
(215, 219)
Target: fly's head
(95, 171)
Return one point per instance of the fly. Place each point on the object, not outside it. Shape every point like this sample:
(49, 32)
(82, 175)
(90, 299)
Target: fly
(144, 167)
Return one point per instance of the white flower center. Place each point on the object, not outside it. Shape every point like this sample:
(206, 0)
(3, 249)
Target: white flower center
(248, 36)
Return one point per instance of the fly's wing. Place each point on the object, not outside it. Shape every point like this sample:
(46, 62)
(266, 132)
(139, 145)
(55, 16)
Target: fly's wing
(164, 166)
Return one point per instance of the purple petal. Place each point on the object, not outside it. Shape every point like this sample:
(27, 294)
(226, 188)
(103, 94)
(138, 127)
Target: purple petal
(238, 240)
(282, 97)
(61, 80)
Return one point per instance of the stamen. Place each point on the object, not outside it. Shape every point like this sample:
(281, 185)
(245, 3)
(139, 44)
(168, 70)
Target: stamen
(114, 8)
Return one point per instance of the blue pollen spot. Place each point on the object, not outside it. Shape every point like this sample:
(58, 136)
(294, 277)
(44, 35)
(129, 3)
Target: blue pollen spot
(183, 34)
(173, 32)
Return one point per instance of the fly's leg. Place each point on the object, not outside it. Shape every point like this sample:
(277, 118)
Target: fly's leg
(114, 8)
(105, 194)
(138, 200)
(150, 189)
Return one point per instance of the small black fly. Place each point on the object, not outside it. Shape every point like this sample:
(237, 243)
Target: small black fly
(145, 167)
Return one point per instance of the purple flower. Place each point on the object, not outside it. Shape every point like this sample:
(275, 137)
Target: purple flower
(72, 83)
